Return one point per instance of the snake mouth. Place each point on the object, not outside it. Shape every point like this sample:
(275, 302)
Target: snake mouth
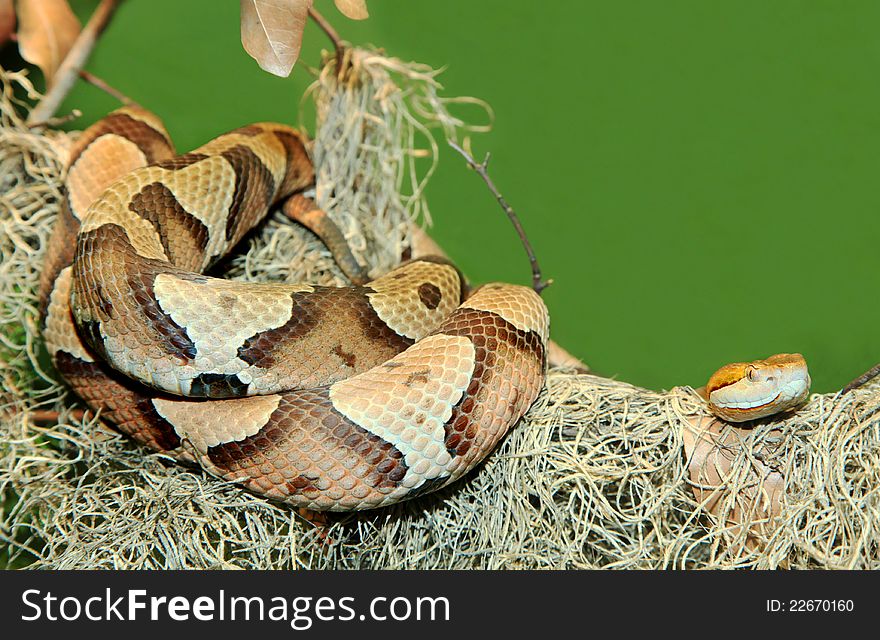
(751, 408)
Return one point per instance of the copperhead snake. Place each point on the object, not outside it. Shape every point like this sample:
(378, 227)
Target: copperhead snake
(326, 398)
(330, 399)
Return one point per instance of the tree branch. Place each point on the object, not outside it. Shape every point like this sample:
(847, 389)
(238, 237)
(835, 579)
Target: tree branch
(94, 80)
(421, 245)
(328, 29)
(863, 379)
(538, 284)
(76, 58)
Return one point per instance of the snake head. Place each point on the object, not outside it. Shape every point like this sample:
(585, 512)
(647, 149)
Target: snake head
(748, 390)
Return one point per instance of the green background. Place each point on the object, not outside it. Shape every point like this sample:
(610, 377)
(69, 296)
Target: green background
(699, 178)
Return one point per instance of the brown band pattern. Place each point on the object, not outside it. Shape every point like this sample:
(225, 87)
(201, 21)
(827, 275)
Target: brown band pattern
(338, 399)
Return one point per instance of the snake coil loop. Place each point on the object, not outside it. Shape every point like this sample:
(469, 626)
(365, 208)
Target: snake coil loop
(326, 398)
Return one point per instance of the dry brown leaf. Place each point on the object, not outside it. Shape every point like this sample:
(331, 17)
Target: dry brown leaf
(47, 30)
(711, 446)
(354, 9)
(7, 21)
(272, 31)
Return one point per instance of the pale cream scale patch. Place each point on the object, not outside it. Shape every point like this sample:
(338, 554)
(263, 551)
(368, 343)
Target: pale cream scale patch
(520, 306)
(218, 316)
(408, 400)
(103, 162)
(204, 190)
(265, 146)
(60, 333)
(209, 423)
(396, 298)
(112, 208)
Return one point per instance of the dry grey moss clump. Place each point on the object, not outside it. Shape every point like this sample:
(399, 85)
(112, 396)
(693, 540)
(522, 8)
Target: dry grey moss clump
(595, 476)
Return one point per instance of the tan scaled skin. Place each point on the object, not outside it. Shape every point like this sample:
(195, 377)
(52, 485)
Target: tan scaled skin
(365, 395)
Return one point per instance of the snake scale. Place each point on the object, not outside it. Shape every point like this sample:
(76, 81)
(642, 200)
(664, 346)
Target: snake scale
(331, 399)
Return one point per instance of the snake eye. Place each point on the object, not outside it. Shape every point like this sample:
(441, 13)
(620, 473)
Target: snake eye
(751, 374)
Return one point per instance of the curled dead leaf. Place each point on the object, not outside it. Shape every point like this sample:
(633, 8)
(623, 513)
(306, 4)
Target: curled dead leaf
(7, 21)
(354, 9)
(747, 497)
(272, 31)
(47, 30)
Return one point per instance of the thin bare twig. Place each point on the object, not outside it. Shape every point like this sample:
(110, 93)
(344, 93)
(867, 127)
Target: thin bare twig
(327, 28)
(863, 379)
(94, 80)
(538, 284)
(76, 58)
(421, 244)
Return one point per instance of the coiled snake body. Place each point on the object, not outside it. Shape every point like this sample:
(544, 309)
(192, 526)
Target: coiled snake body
(327, 398)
